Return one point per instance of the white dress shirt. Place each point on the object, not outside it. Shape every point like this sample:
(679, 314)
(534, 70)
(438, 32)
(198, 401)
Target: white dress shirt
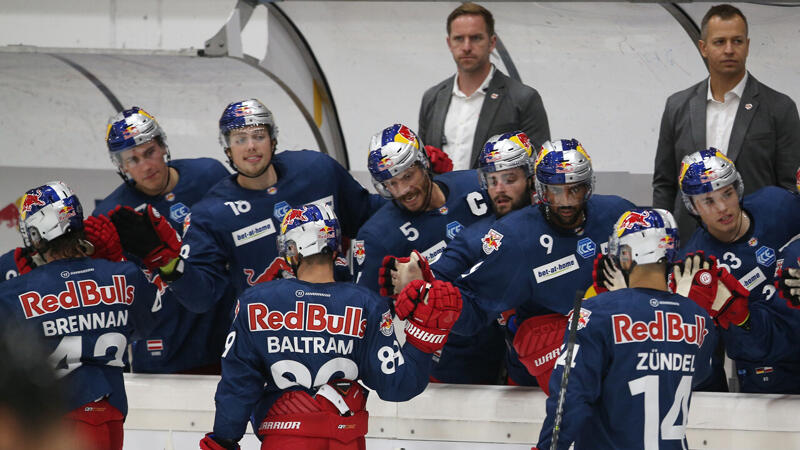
(720, 115)
(461, 120)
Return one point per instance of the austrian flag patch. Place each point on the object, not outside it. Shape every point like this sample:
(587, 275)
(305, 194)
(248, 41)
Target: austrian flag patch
(491, 241)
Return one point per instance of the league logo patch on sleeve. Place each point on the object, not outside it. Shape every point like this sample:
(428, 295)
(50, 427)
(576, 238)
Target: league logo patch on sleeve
(387, 327)
(491, 241)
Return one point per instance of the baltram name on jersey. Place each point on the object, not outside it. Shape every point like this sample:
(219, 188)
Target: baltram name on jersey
(311, 317)
(626, 330)
(91, 294)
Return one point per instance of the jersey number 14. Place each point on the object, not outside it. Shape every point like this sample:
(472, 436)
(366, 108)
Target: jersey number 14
(648, 385)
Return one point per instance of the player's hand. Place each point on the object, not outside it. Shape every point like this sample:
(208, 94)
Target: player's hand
(430, 311)
(147, 235)
(685, 276)
(730, 302)
(102, 234)
(788, 285)
(27, 259)
(395, 273)
(606, 275)
(211, 442)
(278, 269)
(538, 342)
(440, 162)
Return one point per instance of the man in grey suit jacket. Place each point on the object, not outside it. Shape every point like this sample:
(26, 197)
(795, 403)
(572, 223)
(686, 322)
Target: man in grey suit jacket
(756, 127)
(459, 114)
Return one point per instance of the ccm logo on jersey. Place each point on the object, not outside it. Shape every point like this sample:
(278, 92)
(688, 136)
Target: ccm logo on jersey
(673, 330)
(313, 317)
(87, 293)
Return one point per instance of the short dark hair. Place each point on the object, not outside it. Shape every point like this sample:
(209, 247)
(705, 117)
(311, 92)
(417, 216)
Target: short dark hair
(724, 12)
(474, 9)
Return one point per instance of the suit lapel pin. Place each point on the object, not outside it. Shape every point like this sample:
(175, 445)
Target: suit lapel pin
(494, 96)
(748, 106)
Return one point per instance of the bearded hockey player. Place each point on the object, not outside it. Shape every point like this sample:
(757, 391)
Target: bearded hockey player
(230, 234)
(505, 168)
(427, 213)
(182, 341)
(85, 310)
(744, 234)
(299, 349)
(638, 351)
(534, 259)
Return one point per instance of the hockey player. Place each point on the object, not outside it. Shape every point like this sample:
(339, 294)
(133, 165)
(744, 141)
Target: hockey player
(230, 236)
(505, 168)
(299, 347)
(85, 309)
(637, 351)
(181, 341)
(744, 234)
(536, 258)
(426, 212)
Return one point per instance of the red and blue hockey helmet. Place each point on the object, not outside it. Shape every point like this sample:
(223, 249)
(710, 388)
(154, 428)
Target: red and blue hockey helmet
(391, 152)
(47, 212)
(308, 230)
(130, 128)
(645, 236)
(245, 113)
(505, 151)
(563, 161)
(707, 171)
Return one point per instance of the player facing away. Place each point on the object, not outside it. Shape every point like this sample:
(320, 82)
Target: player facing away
(638, 351)
(230, 234)
(745, 235)
(505, 168)
(534, 259)
(299, 349)
(85, 310)
(181, 341)
(427, 213)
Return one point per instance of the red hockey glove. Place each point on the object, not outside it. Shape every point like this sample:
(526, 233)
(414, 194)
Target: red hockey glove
(788, 285)
(440, 162)
(211, 442)
(27, 259)
(606, 275)
(149, 236)
(538, 342)
(730, 304)
(103, 236)
(395, 273)
(430, 310)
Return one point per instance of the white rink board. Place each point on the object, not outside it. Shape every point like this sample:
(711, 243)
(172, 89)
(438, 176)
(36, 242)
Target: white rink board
(173, 412)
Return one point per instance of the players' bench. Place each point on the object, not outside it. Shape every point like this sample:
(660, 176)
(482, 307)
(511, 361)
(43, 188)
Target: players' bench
(173, 412)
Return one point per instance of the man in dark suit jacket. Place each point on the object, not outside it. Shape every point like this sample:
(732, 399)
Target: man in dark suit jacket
(507, 104)
(764, 129)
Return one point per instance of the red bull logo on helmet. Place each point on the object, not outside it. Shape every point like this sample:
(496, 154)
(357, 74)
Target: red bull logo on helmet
(242, 110)
(493, 156)
(632, 219)
(405, 135)
(708, 176)
(131, 131)
(294, 215)
(29, 201)
(667, 242)
(385, 163)
(564, 167)
(522, 140)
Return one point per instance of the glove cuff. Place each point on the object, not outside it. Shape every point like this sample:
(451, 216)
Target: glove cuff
(172, 270)
(428, 340)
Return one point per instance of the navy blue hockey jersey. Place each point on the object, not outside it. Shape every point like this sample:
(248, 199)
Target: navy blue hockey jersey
(181, 340)
(396, 231)
(86, 310)
(775, 218)
(468, 359)
(8, 267)
(528, 264)
(290, 334)
(637, 354)
(231, 234)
